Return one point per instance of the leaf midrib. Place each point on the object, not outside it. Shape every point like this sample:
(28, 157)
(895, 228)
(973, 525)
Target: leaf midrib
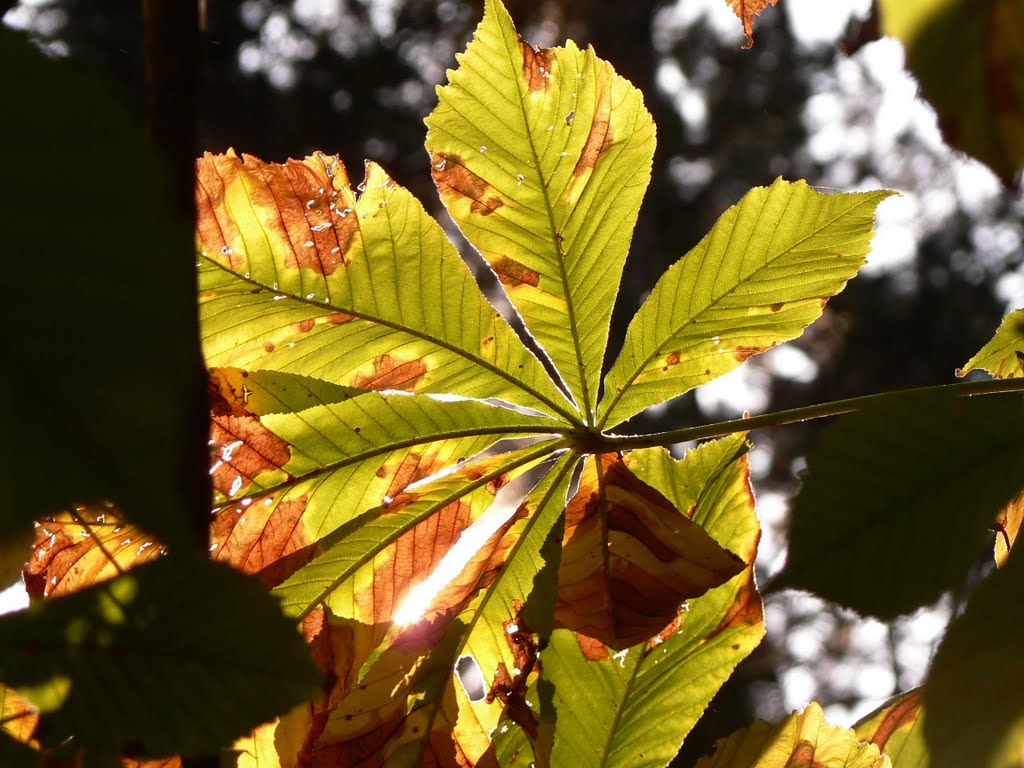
(560, 410)
(588, 412)
(391, 447)
(487, 477)
(715, 301)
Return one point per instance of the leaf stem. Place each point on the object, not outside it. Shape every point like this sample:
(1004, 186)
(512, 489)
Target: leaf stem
(805, 413)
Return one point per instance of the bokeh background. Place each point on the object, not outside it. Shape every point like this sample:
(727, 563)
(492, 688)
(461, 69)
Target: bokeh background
(817, 97)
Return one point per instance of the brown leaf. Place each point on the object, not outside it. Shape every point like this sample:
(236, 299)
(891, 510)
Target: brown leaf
(537, 64)
(629, 558)
(263, 538)
(747, 10)
(455, 181)
(1007, 527)
(308, 228)
(242, 449)
(67, 556)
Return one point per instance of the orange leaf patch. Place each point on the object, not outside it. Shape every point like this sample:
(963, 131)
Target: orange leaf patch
(629, 558)
(747, 10)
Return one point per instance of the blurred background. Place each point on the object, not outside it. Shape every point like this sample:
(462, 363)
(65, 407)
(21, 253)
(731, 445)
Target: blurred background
(815, 98)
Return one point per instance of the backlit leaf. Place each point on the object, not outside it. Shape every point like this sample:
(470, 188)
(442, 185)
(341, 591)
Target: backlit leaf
(180, 630)
(542, 157)
(898, 499)
(975, 715)
(763, 273)
(609, 703)
(630, 558)
(73, 551)
(969, 59)
(378, 557)
(291, 478)
(802, 739)
(408, 702)
(897, 728)
(1007, 527)
(299, 274)
(18, 718)
(747, 10)
(1003, 356)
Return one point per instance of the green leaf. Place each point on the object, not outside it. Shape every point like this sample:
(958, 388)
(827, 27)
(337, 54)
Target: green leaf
(297, 274)
(897, 728)
(102, 376)
(542, 157)
(609, 704)
(288, 479)
(762, 274)
(196, 652)
(972, 694)
(1003, 356)
(417, 693)
(399, 542)
(969, 60)
(802, 739)
(898, 498)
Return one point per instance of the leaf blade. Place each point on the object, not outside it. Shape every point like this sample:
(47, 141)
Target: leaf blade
(1003, 355)
(542, 158)
(298, 274)
(740, 291)
(910, 485)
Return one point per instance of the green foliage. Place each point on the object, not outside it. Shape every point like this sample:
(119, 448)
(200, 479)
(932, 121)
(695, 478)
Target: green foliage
(969, 58)
(975, 711)
(903, 494)
(176, 636)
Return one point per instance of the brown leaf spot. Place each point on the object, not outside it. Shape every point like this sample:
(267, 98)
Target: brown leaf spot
(592, 650)
(451, 176)
(742, 353)
(268, 346)
(388, 373)
(906, 711)
(601, 136)
(511, 272)
(339, 318)
(536, 66)
(745, 611)
(497, 483)
(777, 306)
(307, 325)
(246, 448)
(673, 358)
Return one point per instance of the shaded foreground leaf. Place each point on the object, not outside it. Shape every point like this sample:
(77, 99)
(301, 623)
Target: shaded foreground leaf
(898, 499)
(199, 653)
(972, 694)
(542, 157)
(630, 558)
(1003, 355)
(802, 739)
(105, 382)
(299, 275)
(897, 728)
(610, 704)
(969, 59)
(763, 273)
